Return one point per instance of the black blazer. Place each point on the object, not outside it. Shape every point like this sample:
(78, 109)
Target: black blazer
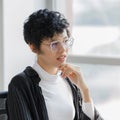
(25, 100)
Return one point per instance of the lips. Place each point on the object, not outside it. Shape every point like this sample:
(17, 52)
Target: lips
(62, 58)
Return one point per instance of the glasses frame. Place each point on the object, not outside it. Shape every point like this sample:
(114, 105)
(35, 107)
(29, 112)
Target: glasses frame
(69, 41)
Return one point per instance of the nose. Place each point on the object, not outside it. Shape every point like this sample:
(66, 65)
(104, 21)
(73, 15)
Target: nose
(63, 47)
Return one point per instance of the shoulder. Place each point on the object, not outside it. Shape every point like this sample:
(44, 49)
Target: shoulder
(19, 80)
(26, 78)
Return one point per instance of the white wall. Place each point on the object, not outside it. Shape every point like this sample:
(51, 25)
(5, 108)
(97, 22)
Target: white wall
(1, 44)
(17, 54)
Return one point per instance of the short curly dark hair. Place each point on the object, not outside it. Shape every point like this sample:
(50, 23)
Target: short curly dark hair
(43, 24)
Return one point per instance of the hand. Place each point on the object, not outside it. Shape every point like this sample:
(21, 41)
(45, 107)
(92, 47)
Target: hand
(76, 77)
(70, 72)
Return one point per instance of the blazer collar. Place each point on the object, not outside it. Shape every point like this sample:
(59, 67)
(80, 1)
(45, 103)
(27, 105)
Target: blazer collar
(29, 71)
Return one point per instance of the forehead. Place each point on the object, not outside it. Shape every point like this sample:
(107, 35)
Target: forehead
(59, 36)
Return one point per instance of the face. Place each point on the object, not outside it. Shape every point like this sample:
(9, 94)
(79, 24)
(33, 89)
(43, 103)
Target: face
(53, 52)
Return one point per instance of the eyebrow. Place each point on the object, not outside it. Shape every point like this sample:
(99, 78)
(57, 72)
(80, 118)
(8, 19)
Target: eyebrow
(58, 39)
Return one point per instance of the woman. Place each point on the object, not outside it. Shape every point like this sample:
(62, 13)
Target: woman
(51, 89)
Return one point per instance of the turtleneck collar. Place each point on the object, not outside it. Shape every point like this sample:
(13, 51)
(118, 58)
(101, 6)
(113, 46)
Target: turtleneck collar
(45, 75)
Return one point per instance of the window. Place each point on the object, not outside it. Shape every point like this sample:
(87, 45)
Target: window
(95, 28)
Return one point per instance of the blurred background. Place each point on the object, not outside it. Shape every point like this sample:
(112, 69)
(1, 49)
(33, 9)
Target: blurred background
(96, 49)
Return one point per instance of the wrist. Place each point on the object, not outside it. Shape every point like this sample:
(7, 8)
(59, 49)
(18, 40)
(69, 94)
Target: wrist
(86, 95)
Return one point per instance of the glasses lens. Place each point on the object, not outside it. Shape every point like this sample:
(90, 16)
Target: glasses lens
(55, 45)
(69, 42)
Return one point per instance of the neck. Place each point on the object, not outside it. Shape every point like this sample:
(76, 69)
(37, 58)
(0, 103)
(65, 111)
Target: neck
(49, 69)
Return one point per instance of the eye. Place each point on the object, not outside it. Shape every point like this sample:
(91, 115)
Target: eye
(55, 44)
(66, 41)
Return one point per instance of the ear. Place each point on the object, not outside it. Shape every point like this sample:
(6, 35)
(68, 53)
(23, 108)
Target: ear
(33, 48)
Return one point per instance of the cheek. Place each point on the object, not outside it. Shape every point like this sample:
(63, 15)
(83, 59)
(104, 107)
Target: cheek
(48, 56)
(67, 51)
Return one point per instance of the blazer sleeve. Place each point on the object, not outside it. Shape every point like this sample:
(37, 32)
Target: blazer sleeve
(17, 107)
(83, 116)
(97, 115)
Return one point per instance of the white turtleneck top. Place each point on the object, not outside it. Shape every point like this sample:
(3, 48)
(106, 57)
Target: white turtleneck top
(58, 96)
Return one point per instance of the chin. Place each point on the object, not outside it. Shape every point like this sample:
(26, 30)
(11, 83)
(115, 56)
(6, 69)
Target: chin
(61, 63)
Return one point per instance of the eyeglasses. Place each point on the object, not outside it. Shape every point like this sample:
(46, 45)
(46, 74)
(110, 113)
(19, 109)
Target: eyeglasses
(56, 45)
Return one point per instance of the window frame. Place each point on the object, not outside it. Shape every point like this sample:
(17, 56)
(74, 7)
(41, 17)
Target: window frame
(85, 59)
